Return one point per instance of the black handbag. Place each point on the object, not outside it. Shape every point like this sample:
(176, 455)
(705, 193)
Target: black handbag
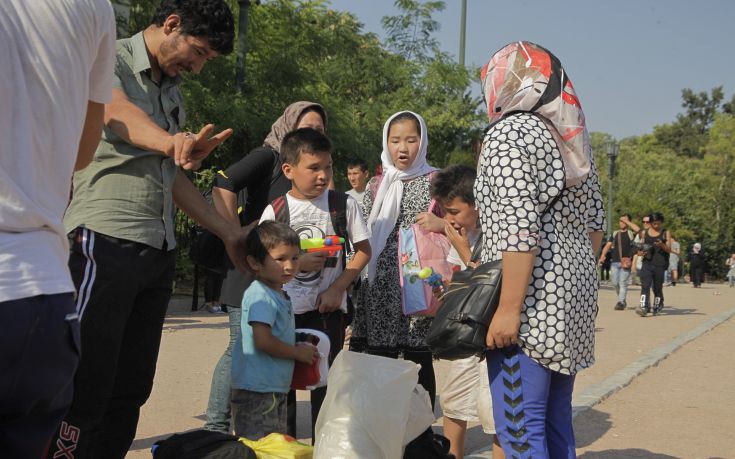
(460, 326)
(461, 323)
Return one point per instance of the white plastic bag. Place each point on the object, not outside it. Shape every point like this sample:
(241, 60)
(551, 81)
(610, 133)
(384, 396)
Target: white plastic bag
(367, 410)
(420, 416)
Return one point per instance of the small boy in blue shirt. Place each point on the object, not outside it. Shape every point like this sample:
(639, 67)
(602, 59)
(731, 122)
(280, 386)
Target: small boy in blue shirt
(264, 354)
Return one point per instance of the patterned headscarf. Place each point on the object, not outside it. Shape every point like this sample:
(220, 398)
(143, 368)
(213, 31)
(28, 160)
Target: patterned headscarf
(524, 77)
(288, 121)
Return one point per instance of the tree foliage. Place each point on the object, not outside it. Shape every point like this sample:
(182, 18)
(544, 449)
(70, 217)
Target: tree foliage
(688, 134)
(693, 191)
(302, 50)
(411, 33)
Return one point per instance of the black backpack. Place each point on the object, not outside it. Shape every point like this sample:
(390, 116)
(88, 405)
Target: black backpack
(201, 444)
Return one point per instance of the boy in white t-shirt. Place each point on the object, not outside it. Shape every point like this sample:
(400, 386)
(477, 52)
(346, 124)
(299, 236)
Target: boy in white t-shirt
(466, 392)
(318, 292)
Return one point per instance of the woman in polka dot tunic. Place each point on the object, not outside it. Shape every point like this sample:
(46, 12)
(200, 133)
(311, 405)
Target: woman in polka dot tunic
(541, 213)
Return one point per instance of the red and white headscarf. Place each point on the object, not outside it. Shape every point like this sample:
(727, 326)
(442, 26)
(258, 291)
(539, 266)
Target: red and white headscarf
(524, 77)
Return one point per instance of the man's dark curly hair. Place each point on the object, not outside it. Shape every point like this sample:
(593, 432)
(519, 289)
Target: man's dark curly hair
(457, 181)
(210, 19)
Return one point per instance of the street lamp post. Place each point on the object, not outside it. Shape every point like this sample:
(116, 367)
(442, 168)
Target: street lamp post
(613, 148)
(462, 32)
(242, 37)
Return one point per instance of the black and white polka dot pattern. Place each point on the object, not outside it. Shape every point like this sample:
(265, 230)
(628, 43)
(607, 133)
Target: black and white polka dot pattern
(519, 173)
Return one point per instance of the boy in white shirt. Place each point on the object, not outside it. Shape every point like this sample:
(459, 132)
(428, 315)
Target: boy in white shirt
(318, 292)
(357, 175)
(466, 393)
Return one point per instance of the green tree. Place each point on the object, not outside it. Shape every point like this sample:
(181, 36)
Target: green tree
(688, 134)
(411, 33)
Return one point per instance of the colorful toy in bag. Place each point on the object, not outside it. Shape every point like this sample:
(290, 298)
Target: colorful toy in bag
(309, 376)
(279, 446)
(416, 248)
(432, 278)
(331, 245)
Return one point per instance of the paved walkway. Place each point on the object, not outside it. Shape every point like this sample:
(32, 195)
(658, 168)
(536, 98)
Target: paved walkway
(624, 407)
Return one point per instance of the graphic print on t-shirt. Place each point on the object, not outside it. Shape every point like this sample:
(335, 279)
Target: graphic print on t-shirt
(308, 230)
(310, 218)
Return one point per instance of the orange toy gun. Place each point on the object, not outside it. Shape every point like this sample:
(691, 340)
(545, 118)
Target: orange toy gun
(330, 245)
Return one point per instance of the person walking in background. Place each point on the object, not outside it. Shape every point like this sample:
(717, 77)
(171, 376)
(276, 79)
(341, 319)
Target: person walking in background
(731, 272)
(672, 274)
(654, 248)
(637, 260)
(541, 212)
(121, 222)
(620, 248)
(259, 177)
(605, 268)
(212, 289)
(696, 265)
(55, 77)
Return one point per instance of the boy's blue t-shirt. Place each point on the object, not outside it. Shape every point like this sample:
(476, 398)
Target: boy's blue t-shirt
(255, 370)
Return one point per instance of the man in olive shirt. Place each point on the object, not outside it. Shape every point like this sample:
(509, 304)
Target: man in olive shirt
(121, 222)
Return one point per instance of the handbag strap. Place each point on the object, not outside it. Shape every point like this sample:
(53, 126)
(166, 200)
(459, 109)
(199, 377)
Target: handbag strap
(477, 251)
(620, 247)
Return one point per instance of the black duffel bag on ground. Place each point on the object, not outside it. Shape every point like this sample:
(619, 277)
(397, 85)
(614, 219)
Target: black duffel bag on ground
(461, 323)
(201, 444)
(428, 445)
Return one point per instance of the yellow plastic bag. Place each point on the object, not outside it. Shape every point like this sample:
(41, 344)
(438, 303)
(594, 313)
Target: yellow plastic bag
(279, 446)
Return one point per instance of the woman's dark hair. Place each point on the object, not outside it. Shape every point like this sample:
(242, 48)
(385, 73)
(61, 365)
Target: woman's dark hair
(268, 235)
(207, 19)
(405, 116)
(457, 181)
(657, 217)
(316, 109)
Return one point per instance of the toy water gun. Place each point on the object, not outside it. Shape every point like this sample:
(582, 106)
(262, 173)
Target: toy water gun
(330, 244)
(432, 278)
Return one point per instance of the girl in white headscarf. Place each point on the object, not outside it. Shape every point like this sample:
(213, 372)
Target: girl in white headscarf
(399, 198)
